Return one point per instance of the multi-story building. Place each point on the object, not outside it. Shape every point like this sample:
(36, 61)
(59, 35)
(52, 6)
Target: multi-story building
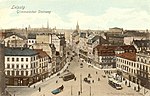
(105, 56)
(126, 65)
(20, 67)
(51, 38)
(135, 67)
(82, 46)
(15, 40)
(44, 67)
(74, 38)
(31, 39)
(143, 71)
(141, 45)
(93, 41)
(116, 30)
(115, 36)
(24, 66)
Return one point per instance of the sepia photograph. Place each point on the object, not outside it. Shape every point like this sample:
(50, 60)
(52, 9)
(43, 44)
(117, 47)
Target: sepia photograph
(74, 47)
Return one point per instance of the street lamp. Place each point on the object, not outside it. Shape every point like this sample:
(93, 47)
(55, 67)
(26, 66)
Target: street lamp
(81, 83)
(71, 91)
(90, 91)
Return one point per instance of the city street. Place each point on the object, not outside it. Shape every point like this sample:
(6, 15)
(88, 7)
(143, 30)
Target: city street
(72, 87)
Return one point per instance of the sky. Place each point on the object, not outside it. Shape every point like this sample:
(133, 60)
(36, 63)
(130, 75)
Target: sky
(64, 14)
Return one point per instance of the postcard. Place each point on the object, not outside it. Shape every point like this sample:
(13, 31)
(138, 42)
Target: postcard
(74, 48)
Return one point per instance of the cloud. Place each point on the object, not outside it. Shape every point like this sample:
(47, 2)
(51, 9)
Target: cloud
(127, 18)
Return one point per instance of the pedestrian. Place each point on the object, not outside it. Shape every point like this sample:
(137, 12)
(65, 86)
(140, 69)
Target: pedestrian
(34, 86)
(138, 88)
(39, 89)
(75, 79)
(28, 85)
(93, 81)
(134, 88)
(78, 92)
(96, 72)
(56, 81)
(98, 79)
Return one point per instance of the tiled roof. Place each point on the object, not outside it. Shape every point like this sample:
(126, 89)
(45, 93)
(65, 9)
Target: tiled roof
(41, 53)
(19, 52)
(129, 56)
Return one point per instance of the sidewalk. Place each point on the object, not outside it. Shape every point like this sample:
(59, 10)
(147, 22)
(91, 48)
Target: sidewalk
(52, 76)
(143, 91)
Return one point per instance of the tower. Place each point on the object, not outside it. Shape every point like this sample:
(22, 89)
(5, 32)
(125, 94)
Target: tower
(47, 24)
(77, 27)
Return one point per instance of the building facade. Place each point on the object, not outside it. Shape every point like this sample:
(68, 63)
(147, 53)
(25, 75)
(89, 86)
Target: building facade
(141, 45)
(134, 67)
(15, 40)
(143, 72)
(106, 55)
(24, 66)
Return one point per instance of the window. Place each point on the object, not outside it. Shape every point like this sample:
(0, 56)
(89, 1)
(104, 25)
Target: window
(27, 59)
(8, 65)
(146, 68)
(17, 59)
(22, 59)
(138, 59)
(13, 59)
(22, 73)
(13, 73)
(17, 66)
(17, 72)
(8, 59)
(137, 65)
(8, 73)
(26, 73)
(12, 65)
(142, 60)
(26, 66)
(21, 66)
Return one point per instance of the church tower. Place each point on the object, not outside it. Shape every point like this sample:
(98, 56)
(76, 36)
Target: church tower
(77, 27)
(47, 24)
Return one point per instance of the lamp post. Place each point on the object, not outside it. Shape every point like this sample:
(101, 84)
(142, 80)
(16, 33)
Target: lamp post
(90, 91)
(71, 91)
(80, 83)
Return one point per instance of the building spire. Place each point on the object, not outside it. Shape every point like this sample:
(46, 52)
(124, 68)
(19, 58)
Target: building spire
(47, 24)
(77, 27)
